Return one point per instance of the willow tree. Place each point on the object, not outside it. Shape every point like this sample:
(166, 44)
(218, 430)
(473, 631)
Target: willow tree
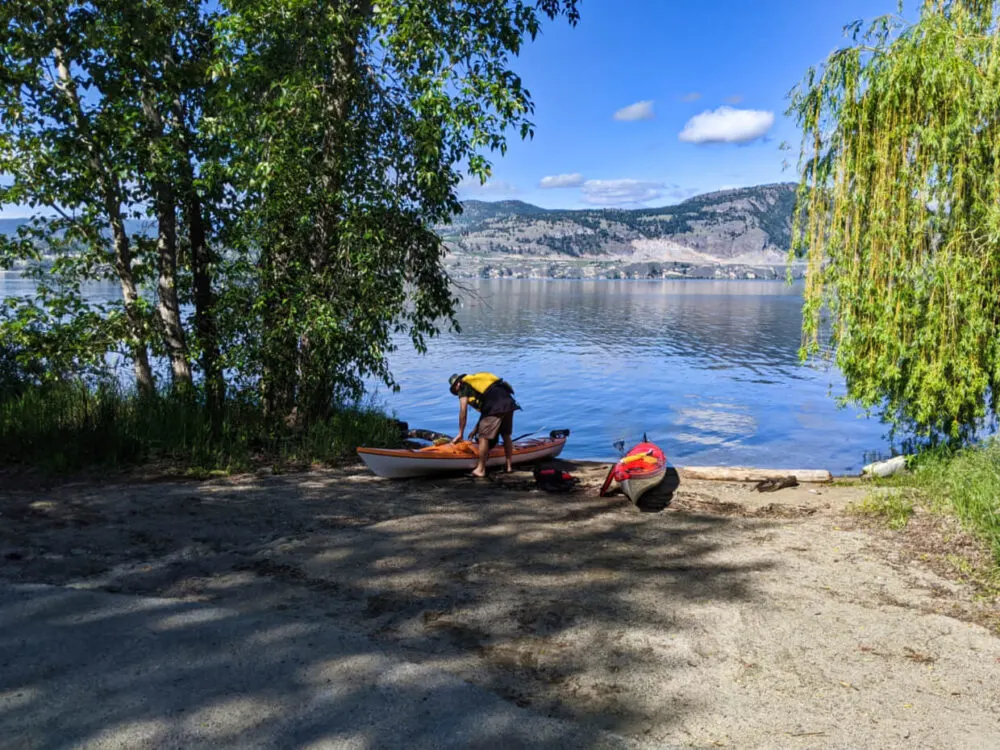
(899, 216)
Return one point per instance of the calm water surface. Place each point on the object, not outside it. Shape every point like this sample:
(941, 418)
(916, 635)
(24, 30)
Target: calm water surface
(708, 369)
(12, 284)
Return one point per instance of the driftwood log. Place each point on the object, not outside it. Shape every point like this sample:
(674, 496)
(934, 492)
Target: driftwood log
(747, 474)
(773, 485)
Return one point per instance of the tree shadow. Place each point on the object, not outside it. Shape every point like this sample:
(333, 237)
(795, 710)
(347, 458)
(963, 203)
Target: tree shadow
(335, 605)
(114, 671)
(660, 497)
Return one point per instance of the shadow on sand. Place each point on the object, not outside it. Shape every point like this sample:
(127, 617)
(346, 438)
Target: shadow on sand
(335, 607)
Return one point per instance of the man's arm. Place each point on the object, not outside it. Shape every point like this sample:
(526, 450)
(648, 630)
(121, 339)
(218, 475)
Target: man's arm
(463, 408)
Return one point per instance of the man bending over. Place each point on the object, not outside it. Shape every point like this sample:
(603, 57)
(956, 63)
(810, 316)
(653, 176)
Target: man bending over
(494, 399)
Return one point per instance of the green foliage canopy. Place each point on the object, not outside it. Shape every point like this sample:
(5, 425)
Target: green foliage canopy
(292, 157)
(899, 215)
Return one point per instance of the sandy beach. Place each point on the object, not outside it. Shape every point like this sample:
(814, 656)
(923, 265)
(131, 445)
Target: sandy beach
(715, 616)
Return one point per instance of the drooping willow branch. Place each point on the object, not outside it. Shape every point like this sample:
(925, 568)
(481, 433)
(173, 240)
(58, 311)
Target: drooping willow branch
(899, 216)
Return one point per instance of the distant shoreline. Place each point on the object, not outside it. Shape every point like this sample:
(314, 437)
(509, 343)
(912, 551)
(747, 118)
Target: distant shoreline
(777, 274)
(546, 279)
(646, 271)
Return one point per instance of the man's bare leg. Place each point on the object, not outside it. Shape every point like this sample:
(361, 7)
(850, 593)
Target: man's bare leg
(484, 451)
(508, 451)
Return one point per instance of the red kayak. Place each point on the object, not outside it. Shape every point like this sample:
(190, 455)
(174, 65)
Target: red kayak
(639, 470)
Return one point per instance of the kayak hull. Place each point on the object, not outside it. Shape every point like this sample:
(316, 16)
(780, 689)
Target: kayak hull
(635, 487)
(639, 471)
(403, 463)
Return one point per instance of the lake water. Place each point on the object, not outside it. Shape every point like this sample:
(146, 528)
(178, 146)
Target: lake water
(708, 369)
(12, 284)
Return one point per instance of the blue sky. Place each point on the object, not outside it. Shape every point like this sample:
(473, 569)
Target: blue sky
(667, 68)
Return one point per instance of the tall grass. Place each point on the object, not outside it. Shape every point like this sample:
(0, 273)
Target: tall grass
(967, 481)
(71, 426)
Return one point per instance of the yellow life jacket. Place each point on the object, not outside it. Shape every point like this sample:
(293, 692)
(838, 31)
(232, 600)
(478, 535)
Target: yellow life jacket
(641, 457)
(480, 382)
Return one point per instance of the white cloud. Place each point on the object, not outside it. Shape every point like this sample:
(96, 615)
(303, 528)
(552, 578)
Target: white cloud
(691, 97)
(620, 192)
(470, 186)
(727, 125)
(638, 111)
(561, 180)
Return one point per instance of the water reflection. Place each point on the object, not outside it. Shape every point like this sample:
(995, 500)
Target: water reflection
(710, 368)
(749, 325)
(13, 284)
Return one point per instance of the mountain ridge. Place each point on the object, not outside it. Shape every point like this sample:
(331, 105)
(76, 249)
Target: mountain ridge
(524, 206)
(723, 233)
(734, 233)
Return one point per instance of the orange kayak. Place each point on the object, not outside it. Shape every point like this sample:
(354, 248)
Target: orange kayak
(402, 463)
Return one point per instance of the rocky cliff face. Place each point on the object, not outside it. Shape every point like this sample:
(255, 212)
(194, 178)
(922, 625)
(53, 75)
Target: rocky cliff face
(741, 233)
